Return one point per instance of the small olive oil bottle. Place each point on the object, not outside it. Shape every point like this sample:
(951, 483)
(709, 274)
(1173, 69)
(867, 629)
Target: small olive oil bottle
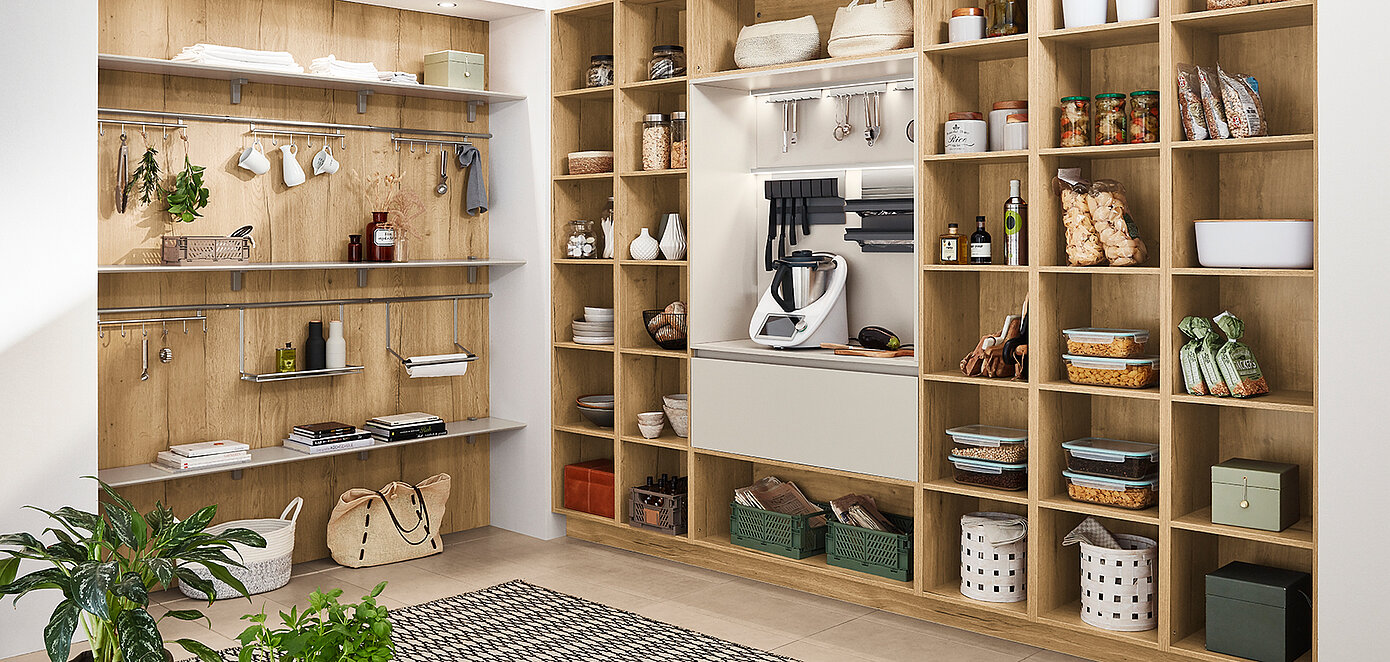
(285, 358)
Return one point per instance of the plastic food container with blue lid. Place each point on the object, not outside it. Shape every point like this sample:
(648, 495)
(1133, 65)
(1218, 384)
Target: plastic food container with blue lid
(990, 442)
(1113, 458)
(998, 475)
(1114, 343)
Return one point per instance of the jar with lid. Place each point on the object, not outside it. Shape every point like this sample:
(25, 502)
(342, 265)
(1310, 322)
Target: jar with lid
(1143, 116)
(656, 142)
(582, 243)
(1007, 17)
(965, 132)
(354, 248)
(998, 115)
(1076, 121)
(667, 62)
(600, 72)
(1016, 131)
(680, 141)
(1110, 119)
(381, 238)
(966, 24)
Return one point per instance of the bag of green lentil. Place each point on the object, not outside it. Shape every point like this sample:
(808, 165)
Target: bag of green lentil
(1191, 372)
(1207, 344)
(1237, 362)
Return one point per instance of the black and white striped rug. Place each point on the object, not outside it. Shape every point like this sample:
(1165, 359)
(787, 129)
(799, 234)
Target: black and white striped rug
(521, 622)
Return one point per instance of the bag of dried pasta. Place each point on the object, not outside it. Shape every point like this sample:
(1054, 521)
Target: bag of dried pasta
(1207, 344)
(1083, 241)
(1194, 121)
(1212, 106)
(1237, 362)
(1110, 214)
(1191, 372)
(1245, 113)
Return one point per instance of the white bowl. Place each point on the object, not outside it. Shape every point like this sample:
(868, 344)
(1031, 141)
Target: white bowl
(651, 417)
(588, 340)
(596, 401)
(591, 311)
(651, 431)
(678, 401)
(680, 422)
(1255, 243)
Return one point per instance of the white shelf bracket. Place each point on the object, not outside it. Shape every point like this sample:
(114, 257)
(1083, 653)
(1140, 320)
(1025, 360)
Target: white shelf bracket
(362, 101)
(472, 274)
(361, 277)
(236, 89)
(237, 280)
(473, 110)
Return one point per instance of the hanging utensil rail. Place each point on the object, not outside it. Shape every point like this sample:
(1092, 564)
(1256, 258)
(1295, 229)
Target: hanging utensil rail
(398, 140)
(101, 125)
(200, 317)
(288, 304)
(331, 126)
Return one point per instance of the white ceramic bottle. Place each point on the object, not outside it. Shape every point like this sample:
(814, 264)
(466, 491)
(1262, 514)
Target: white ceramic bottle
(335, 351)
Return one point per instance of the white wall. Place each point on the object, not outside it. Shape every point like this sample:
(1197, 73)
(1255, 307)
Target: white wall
(520, 308)
(1352, 312)
(47, 279)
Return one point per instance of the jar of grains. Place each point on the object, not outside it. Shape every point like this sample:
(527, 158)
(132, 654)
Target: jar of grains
(1076, 121)
(656, 142)
(600, 71)
(582, 242)
(1110, 119)
(1143, 116)
(680, 142)
(667, 62)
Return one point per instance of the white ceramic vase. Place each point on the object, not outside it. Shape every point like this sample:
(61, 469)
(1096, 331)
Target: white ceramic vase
(294, 175)
(673, 242)
(607, 225)
(644, 247)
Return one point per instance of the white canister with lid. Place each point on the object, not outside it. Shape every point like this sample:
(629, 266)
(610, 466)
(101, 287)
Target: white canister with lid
(966, 24)
(1016, 131)
(965, 132)
(997, 116)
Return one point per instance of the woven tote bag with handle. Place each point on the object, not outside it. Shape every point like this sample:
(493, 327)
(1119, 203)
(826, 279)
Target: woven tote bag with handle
(398, 523)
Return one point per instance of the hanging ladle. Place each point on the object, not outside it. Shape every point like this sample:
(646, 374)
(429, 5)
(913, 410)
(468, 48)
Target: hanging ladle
(144, 356)
(443, 171)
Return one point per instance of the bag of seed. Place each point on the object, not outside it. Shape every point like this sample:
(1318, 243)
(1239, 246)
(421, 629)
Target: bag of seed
(1245, 114)
(1237, 363)
(1194, 121)
(1207, 344)
(1215, 112)
(1191, 372)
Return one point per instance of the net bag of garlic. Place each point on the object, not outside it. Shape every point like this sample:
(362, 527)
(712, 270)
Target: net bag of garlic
(1118, 236)
(1083, 241)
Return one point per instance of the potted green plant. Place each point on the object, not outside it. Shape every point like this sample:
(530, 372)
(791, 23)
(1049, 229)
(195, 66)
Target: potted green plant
(106, 564)
(325, 632)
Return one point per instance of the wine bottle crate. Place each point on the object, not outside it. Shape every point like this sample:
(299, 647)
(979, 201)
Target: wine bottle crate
(657, 511)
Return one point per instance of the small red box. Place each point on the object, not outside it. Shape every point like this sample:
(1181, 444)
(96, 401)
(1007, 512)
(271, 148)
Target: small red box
(589, 487)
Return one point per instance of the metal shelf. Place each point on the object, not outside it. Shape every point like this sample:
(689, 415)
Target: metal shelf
(300, 374)
(140, 474)
(238, 269)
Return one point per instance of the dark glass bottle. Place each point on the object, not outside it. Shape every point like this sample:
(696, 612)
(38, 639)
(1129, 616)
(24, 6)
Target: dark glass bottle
(315, 348)
(354, 248)
(980, 246)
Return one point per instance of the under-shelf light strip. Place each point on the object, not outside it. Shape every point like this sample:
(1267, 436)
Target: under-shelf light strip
(195, 117)
(899, 84)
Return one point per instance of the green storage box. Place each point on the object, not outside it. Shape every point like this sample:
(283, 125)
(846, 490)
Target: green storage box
(1254, 494)
(791, 536)
(874, 552)
(454, 69)
(1259, 613)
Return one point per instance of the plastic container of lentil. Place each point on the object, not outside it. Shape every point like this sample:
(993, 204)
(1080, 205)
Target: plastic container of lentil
(1140, 372)
(1118, 343)
(989, 442)
(1112, 458)
(1118, 492)
(998, 475)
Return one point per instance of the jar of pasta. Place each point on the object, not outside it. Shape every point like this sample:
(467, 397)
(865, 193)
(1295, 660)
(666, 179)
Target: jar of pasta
(1076, 121)
(1143, 116)
(656, 142)
(680, 145)
(1110, 119)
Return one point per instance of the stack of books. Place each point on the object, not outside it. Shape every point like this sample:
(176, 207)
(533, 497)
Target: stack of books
(203, 455)
(403, 427)
(327, 436)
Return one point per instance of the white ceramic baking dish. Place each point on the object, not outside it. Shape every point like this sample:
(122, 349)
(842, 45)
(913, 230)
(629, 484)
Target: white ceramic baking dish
(1255, 243)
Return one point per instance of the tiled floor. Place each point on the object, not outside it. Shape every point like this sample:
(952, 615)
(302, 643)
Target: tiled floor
(799, 625)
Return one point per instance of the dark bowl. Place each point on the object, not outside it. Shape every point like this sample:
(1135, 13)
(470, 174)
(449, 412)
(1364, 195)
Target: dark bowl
(679, 325)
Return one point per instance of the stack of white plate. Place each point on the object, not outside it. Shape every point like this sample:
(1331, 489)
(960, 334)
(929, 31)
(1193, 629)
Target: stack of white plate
(596, 328)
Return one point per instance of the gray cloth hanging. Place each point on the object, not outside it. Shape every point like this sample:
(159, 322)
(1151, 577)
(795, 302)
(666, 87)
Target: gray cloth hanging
(475, 198)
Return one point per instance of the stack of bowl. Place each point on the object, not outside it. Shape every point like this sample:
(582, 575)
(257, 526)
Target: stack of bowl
(596, 328)
(677, 408)
(597, 408)
(651, 423)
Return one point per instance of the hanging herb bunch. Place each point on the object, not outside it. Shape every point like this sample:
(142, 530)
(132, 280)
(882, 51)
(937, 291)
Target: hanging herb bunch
(188, 195)
(147, 178)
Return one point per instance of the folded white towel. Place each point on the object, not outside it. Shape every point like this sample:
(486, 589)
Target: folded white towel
(237, 64)
(398, 77)
(236, 54)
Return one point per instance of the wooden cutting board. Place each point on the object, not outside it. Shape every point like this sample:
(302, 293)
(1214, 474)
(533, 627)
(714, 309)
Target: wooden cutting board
(853, 350)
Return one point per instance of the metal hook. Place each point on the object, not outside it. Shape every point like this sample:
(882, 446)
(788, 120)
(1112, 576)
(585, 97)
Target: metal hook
(412, 147)
(342, 142)
(308, 141)
(398, 147)
(185, 327)
(144, 332)
(144, 133)
(275, 140)
(122, 131)
(122, 330)
(166, 134)
(101, 129)
(101, 333)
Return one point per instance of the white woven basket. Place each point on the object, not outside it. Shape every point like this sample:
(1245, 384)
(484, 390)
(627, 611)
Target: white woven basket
(988, 572)
(267, 568)
(1119, 587)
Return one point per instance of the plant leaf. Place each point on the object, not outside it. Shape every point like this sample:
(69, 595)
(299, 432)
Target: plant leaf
(68, 551)
(132, 588)
(57, 635)
(21, 540)
(225, 576)
(244, 536)
(111, 492)
(77, 519)
(139, 636)
(203, 652)
(121, 525)
(42, 579)
(196, 583)
(162, 569)
(91, 582)
(191, 526)
(160, 519)
(184, 614)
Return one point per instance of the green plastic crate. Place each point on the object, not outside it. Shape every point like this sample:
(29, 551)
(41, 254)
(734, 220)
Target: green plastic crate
(874, 552)
(775, 533)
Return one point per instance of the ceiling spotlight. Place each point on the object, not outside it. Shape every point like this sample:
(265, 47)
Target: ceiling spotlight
(447, 5)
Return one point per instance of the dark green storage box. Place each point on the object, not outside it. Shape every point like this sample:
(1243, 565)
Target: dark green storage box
(791, 536)
(874, 552)
(1259, 613)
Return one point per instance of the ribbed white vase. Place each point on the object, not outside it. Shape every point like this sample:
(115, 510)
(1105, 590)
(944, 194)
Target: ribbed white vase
(673, 242)
(644, 247)
(607, 225)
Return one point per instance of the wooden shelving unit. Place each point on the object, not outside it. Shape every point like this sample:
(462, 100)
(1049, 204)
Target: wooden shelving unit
(1170, 184)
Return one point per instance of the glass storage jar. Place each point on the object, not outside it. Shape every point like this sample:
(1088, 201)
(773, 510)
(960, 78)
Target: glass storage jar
(656, 142)
(582, 243)
(680, 142)
(1110, 119)
(1076, 121)
(1007, 17)
(600, 71)
(1143, 116)
(667, 62)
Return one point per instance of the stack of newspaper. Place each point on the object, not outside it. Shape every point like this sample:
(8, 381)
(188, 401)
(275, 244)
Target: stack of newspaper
(772, 494)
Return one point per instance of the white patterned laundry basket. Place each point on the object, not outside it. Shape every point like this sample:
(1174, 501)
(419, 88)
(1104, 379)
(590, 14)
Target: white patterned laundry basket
(266, 569)
(1119, 587)
(992, 572)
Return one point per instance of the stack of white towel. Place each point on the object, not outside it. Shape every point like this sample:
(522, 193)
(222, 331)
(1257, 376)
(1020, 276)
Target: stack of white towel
(398, 77)
(332, 66)
(231, 56)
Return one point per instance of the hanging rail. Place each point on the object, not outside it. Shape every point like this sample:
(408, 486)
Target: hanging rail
(101, 126)
(231, 119)
(289, 304)
(399, 140)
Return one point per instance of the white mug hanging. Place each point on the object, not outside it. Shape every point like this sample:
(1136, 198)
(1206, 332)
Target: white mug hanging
(294, 175)
(253, 159)
(324, 163)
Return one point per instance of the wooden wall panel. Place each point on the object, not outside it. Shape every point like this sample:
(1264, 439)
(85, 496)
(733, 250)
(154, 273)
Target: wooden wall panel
(199, 395)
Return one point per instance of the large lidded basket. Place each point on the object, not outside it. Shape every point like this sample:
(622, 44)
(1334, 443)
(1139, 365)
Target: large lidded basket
(993, 570)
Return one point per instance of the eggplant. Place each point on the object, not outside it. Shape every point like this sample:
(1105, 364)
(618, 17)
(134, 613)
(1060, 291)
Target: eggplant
(877, 337)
